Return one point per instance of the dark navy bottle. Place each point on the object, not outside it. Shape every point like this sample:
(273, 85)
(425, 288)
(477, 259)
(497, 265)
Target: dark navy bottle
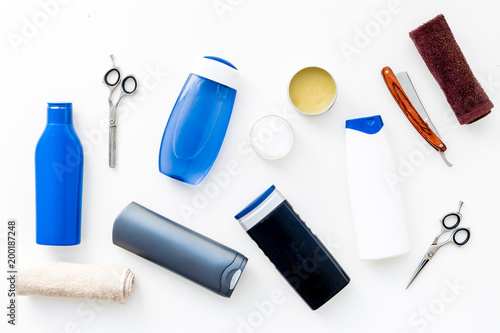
(58, 178)
(294, 250)
(197, 125)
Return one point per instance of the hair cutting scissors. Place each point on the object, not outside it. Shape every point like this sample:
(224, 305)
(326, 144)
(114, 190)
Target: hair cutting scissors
(112, 79)
(449, 223)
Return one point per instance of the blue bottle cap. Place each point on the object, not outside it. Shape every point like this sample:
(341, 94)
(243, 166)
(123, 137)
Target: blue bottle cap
(60, 113)
(368, 125)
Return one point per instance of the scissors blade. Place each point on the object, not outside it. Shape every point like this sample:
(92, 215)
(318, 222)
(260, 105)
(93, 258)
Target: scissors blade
(112, 146)
(418, 270)
(409, 89)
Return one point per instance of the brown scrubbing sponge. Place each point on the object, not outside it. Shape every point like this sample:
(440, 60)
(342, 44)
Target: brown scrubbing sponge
(442, 55)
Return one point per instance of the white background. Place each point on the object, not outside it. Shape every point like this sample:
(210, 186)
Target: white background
(65, 57)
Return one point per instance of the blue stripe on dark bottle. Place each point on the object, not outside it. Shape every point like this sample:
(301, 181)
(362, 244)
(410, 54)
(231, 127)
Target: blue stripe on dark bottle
(58, 179)
(299, 255)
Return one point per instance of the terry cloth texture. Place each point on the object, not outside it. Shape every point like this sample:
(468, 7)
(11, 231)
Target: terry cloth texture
(76, 281)
(442, 55)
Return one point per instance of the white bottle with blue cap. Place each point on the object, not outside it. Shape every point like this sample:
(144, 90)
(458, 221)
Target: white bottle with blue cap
(199, 120)
(377, 204)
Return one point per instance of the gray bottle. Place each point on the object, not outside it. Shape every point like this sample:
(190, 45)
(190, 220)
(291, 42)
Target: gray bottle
(179, 249)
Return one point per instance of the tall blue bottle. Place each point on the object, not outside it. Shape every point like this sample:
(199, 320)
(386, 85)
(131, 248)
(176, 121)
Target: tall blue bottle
(58, 178)
(199, 120)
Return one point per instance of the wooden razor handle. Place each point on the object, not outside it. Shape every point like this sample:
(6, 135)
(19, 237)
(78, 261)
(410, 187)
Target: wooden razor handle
(409, 110)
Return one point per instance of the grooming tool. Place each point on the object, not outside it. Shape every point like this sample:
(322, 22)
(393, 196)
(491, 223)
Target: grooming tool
(443, 57)
(178, 249)
(59, 179)
(449, 223)
(112, 79)
(294, 250)
(377, 205)
(405, 103)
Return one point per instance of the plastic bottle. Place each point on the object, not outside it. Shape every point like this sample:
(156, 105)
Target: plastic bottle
(199, 120)
(181, 250)
(291, 246)
(376, 203)
(58, 177)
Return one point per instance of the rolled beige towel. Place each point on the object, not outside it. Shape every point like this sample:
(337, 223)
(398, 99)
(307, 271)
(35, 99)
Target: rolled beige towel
(61, 279)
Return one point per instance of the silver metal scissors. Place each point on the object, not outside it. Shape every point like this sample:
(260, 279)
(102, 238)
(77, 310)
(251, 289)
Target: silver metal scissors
(112, 79)
(449, 223)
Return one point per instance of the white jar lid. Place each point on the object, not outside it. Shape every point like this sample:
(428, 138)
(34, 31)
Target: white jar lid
(271, 137)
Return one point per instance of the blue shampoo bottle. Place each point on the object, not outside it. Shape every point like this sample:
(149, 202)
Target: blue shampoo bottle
(58, 178)
(199, 120)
